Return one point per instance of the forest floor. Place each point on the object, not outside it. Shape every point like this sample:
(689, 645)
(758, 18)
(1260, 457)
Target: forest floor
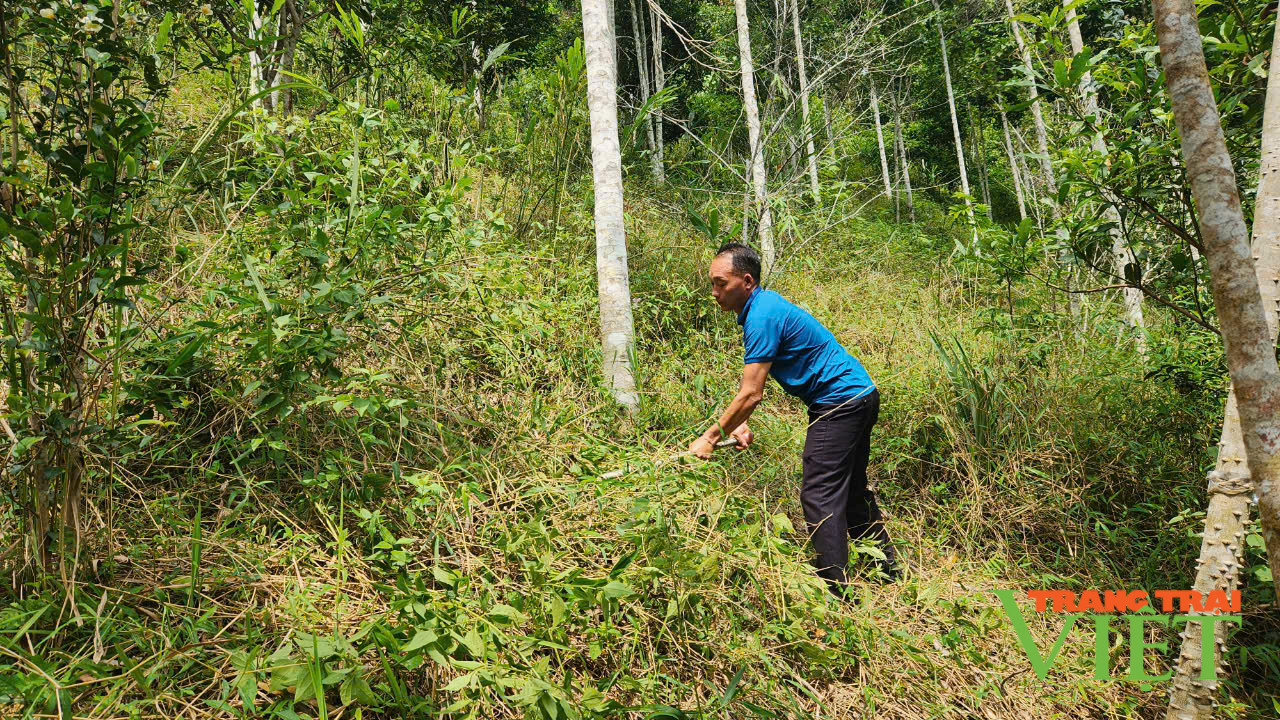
(472, 561)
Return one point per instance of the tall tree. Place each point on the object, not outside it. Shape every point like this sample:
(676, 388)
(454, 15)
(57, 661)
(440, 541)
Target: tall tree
(758, 180)
(1250, 349)
(804, 102)
(291, 23)
(955, 120)
(1042, 141)
(884, 162)
(616, 329)
(1126, 264)
(255, 59)
(1013, 165)
(642, 71)
(1227, 515)
(900, 148)
(659, 82)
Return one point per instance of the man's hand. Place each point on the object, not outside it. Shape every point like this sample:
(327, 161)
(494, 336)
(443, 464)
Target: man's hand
(744, 436)
(702, 448)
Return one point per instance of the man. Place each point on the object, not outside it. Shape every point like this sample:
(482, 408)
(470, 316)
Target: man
(804, 357)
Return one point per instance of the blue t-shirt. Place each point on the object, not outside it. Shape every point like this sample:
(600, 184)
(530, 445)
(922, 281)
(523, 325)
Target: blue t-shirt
(808, 361)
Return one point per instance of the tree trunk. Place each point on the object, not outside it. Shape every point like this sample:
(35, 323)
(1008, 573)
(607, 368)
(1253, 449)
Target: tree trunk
(642, 70)
(758, 179)
(1229, 484)
(977, 145)
(285, 65)
(1042, 141)
(255, 60)
(826, 120)
(804, 102)
(616, 330)
(1013, 166)
(1122, 256)
(955, 122)
(884, 162)
(901, 150)
(659, 82)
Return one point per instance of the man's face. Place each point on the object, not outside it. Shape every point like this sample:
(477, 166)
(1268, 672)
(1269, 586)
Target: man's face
(730, 289)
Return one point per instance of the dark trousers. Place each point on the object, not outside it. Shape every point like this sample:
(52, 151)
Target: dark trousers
(834, 493)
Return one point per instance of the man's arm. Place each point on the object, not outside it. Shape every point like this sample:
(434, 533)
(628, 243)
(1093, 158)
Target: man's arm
(750, 391)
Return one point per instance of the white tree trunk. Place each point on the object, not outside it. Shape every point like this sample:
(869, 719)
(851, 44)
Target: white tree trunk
(642, 70)
(955, 122)
(1042, 141)
(978, 145)
(901, 148)
(1122, 256)
(1228, 513)
(826, 120)
(804, 102)
(659, 82)
(477, 94)
(290, 10)
(884, 162)
(616, 331)
(255, 60)
(1013, 167)
(758, 179)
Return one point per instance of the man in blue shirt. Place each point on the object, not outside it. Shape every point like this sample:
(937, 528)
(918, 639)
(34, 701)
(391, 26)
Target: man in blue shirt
(786, 342)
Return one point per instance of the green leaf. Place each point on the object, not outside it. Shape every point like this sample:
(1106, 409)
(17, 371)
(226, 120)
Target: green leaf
(162, 32)
(495, 56)
(185, 354)
(616, 589)
(459, 682)
(508, 613)
(558, 610)
(1255, 540)
(474, 643)
(306, 688)
(247, 686)
(623, 563)
(732, 690)
(782, 524)
(1263, 573)
(317, 645)
(1080, 65)
(356, 689)
(1060, 73)
(421, 639)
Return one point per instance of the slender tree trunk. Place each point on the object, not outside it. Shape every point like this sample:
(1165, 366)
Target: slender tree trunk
(901, 149)
(1122, 256)
(659, 82)
(478, 92)
(955, 122)
(884, 162)
(1042, 141)
(758, 179)
(804, 102)
(1228, 513)
(642, 70)
(255, 60)
(826, 120)
(290, 14)
(616, 330)
(977, 146)
(1013, 166)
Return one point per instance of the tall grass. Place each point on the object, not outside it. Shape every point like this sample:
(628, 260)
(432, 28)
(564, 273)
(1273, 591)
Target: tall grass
(371, 481)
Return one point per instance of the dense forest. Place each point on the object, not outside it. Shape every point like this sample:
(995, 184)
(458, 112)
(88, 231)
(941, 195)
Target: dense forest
(351, 349)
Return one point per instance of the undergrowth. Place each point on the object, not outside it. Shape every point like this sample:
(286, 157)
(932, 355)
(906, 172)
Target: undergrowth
(364, 476)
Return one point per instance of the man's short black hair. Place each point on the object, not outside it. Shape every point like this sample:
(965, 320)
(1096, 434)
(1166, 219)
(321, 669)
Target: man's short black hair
(745, 260)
